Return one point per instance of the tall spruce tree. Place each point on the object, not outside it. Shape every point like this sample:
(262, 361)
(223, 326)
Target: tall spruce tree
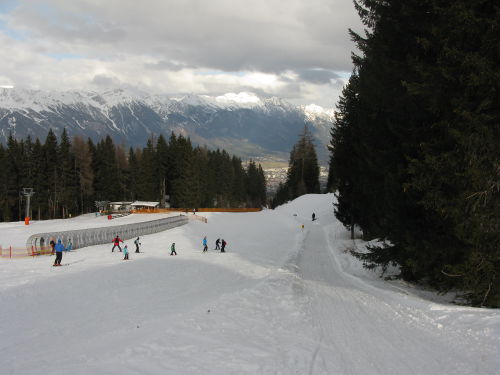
(68, 179)
(84, 173)
(406, 158)
(51, 186)
(303, 170)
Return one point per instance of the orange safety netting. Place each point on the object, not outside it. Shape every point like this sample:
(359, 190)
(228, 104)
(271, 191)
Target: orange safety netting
(22, 252)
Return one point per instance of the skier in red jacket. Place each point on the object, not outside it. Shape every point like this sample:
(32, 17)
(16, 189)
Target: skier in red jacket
(116, 242)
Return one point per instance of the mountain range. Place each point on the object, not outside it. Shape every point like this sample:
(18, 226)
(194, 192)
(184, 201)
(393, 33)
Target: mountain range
(243, 124)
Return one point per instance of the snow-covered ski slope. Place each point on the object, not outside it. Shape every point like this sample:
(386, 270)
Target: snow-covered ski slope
(282, 300)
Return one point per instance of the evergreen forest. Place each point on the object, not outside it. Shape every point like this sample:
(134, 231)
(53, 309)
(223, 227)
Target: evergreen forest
(68, 176)
(415, 146)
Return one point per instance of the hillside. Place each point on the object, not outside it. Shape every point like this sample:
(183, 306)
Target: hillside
(282, 300)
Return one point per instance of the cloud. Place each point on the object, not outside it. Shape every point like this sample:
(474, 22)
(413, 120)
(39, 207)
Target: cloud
(318, 76)
(266, 46)
(103, 80)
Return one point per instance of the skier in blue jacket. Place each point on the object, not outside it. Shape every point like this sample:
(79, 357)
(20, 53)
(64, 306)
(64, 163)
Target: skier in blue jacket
(59, 248)
(205, 246)
(125, 252)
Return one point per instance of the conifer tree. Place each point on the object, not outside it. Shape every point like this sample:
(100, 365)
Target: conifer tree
(68, 179)
(303, 171)
(162, 157)
(84, 173)
(238, 183)
(133, 175)
(4, 211)
(414, 148)
(38, 201)
(51, 168)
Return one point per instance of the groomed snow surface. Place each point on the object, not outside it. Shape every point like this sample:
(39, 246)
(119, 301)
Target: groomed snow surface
(282, 300)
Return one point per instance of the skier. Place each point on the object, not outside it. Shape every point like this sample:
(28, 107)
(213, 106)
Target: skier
(172, 249)
(52, 246)
(116, 242)
(217, 244)
(59, 248)
(70, 246)
(205, 247)
(224, 243)
(137, 244)
(313, 216)
(125, 252)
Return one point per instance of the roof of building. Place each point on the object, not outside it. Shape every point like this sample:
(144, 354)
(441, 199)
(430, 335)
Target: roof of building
(145, 204)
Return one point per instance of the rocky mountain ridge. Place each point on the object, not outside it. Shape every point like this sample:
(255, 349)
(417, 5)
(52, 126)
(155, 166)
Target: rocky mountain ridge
(243, 124)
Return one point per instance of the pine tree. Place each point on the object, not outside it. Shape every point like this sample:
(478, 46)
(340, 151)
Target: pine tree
(106, 177)
(39, 203)
(414, 145)
(84, 173)
(68, 179)
(133, 175)
(149, 189)
(162, 156)
(52, 175)
(303, 171)
(238, 193)
(4, 216)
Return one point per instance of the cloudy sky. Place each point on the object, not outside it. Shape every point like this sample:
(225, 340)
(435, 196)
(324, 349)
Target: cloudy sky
(298, 50)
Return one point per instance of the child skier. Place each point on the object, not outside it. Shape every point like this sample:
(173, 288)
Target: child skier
(125, 252)
(137, 244)
(205, 247)
(52, 246)
(172, 249)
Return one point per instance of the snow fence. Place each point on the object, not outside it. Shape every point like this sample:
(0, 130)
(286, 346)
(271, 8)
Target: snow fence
(98, 236)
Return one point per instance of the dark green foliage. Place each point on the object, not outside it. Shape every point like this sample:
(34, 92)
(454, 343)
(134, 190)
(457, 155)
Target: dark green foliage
(303, 171)
(68, 181)
(256, 193)
(68, 177)
(415, 143)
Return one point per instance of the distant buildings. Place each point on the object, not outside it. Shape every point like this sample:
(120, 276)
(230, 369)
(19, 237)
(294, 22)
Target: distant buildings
(275, 176)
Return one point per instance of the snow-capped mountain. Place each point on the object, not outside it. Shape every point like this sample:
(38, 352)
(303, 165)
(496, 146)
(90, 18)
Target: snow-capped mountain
(243, 123)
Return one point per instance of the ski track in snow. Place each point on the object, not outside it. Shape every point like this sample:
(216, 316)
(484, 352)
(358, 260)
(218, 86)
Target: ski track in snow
(280, 301)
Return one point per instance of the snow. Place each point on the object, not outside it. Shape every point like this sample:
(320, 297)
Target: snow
(40, 100)
(313, 111)
(242, 99)
(282, 300)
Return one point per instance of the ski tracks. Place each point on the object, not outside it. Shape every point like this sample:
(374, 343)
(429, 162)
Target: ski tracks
(359, 329)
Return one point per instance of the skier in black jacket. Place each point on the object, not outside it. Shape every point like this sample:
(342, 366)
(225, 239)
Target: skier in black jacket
(137, 244)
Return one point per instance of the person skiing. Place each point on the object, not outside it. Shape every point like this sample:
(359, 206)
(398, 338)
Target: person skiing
(217, 244)
(125, 252)
(59, 248)
(137, 244)
(313, 216)
(172, 249)
(224, 243)
(70, 246)
(116, 242)
(205, 247)
(52, 246)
